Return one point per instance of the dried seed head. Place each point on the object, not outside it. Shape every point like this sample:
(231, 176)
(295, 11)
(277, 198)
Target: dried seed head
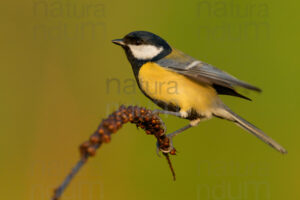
(130, 119)
(106, 138)
(173, 151)
(94, 139)
(123, 116)
(118, 118)
(118, 124)
(118, 113)
(147, 118)
(140, 116)
(91, 151)
(101, 131)
(111, 127)
(85, 144)
(106, 123)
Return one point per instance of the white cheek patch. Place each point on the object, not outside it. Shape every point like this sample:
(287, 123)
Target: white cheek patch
(144, 52)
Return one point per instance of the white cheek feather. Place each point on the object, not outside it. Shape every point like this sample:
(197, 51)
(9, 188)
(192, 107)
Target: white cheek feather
(144, 52)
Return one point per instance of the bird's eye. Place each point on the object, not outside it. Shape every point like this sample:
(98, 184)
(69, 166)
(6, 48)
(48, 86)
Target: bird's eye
(138, 42)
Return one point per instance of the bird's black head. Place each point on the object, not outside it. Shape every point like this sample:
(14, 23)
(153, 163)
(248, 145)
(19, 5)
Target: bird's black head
(143, 46)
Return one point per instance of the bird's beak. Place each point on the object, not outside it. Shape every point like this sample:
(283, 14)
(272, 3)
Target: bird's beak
(119, 42)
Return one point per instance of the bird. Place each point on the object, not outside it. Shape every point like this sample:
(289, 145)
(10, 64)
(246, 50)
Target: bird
(184, 86)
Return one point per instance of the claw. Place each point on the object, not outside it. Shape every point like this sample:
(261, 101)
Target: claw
(166, 151)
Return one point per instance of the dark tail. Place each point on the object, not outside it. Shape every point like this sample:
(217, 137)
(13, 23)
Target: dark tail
(226, 113)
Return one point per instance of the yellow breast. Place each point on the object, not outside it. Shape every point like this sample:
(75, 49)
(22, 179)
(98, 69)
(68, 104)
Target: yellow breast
(171, 87)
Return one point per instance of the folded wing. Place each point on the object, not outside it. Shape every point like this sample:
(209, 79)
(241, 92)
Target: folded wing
(202, 72)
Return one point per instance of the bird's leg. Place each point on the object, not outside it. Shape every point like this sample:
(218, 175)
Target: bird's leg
(191, 124)
(173, 134)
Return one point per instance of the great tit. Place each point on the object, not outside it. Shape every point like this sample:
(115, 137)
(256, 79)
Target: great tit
(184, 86)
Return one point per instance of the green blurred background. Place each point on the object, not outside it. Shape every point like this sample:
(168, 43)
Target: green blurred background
(56, 58)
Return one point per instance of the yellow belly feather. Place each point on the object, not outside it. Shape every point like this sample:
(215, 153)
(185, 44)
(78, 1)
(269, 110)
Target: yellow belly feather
(171, 87)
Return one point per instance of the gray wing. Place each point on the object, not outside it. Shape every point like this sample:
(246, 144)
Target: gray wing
(203, 72)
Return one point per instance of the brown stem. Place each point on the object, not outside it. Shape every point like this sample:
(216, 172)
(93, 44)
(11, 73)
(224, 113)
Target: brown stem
(170, 165)
(141, 117)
